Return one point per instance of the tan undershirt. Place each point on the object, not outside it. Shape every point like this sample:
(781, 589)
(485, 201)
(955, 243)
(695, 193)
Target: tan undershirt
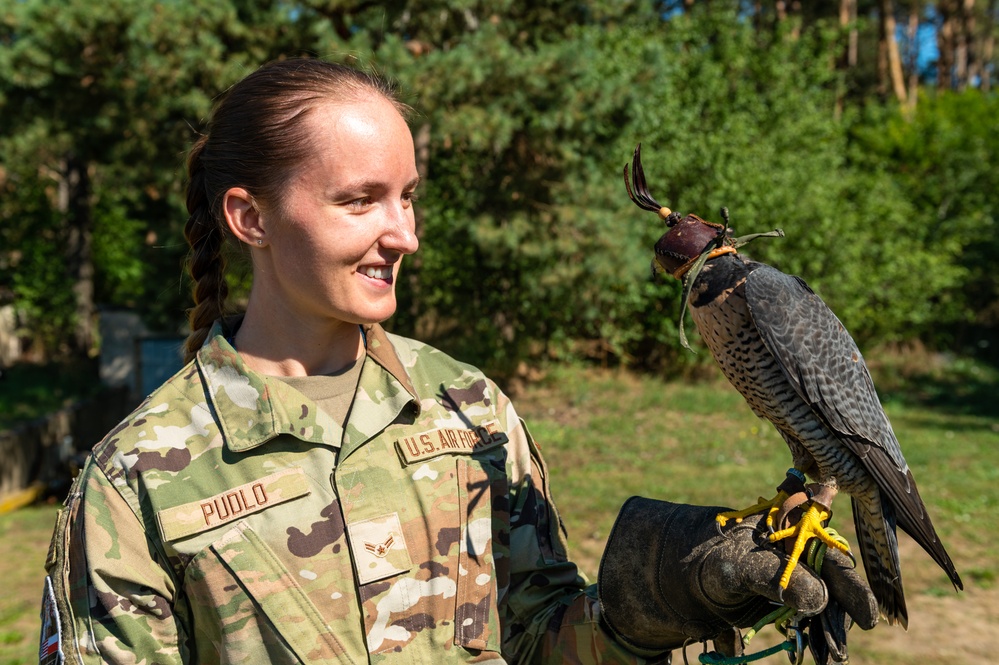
(333, 393)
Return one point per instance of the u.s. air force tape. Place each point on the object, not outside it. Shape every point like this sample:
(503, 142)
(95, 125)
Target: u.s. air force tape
(450, 441)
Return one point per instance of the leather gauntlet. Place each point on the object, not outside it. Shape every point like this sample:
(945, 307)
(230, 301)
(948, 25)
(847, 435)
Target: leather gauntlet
(668, 576)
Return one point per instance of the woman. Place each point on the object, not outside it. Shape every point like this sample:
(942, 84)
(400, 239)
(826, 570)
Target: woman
(310, 488)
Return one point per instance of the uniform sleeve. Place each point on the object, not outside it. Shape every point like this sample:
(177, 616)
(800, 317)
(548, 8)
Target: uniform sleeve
(553, 616)
(113, 596)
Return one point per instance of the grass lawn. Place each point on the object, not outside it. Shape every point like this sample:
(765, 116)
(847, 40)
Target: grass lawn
(24, 541)
(609, 435)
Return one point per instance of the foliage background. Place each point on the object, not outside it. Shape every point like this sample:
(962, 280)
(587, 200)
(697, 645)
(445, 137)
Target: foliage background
(527, 112)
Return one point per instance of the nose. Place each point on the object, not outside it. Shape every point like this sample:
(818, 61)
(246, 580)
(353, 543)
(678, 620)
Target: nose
(400, 230)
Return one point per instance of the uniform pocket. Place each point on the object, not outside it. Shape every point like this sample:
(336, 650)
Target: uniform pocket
(292, 620)
(480, 480)
(443, 502)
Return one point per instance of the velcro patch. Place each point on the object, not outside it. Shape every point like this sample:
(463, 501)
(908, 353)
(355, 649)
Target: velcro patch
(450, 441)
(233, 504)
(50, 645)
(379, 548)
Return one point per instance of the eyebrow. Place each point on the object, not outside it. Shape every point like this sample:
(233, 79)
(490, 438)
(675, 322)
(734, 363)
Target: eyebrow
(353, 188)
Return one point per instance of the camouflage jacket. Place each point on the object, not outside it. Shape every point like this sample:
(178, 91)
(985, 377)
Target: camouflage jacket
(229, 520)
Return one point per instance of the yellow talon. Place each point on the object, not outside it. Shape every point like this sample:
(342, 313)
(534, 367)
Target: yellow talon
(769, 506)
(810, 526)
(775, 509)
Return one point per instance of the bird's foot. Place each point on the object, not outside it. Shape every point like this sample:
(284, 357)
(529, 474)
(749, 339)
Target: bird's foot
(793, 484)
(762, 505)
(811, 525)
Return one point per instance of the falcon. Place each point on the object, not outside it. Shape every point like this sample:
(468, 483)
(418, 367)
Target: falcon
(797, 367)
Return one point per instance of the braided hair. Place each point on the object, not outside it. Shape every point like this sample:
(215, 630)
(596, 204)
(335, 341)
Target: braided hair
(254, 139)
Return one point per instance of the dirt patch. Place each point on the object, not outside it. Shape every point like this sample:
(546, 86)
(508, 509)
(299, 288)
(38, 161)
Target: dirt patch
(957, 629)
(945, 627)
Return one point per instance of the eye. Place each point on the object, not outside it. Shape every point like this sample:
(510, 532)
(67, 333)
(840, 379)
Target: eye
(410, 197)
(359, 203)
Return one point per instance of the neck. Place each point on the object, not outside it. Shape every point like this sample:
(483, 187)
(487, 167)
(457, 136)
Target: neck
(718, 274)
(278, 342)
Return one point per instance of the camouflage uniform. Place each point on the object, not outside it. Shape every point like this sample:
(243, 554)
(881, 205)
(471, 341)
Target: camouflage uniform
(230, 520)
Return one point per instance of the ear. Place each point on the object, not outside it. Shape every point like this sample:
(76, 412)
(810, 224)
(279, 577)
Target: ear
(243, 216)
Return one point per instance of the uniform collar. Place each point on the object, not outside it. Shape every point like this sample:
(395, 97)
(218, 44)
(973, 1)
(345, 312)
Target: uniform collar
(252, 410)
(380, 349)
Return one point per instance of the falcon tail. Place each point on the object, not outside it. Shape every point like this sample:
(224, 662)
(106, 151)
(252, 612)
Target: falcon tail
(879, 551)
(875, 526)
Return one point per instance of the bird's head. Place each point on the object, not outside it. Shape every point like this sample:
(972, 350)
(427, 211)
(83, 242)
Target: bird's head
(690, 242)
(686, 238)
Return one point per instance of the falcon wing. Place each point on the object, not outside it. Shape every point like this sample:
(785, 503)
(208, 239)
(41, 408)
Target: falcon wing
(821, 360)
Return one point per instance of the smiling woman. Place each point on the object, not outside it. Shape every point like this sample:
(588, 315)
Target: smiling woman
(326, 253)
(311, 488)
(315, 172)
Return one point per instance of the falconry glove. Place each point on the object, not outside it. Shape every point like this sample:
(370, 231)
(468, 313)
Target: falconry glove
(668, 577)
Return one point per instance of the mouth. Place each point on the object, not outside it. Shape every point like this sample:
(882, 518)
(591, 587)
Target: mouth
(377, 272)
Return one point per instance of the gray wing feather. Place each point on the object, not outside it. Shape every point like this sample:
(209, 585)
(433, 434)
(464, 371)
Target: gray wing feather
(821, 360)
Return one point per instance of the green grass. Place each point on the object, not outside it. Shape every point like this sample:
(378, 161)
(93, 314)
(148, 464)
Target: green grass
(608, 435)
(24, 542)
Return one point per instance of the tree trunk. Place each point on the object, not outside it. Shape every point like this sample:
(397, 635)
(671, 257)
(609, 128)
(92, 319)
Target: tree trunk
(74, 204)
(786, 9)
(848, 16)
(972, 61)
(988, 46)
(945, 44)
(963, 34)
(889, 61)
(799, 21)
(848, 57)
(912, 32)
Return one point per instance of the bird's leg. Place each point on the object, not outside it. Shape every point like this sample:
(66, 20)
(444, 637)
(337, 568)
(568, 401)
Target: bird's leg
(811, 525)
(793, 483)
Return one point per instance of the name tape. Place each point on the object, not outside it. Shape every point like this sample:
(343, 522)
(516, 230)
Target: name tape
(232, 504)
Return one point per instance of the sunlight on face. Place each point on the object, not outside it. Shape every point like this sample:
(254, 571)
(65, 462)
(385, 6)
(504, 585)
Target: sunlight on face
(345, 219)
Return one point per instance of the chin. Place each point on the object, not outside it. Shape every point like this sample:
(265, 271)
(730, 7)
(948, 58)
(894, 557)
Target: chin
(374, 315)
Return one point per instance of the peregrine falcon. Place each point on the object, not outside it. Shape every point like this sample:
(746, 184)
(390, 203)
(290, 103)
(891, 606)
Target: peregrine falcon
(797, 366)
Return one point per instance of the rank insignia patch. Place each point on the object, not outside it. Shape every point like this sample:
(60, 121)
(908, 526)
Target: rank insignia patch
(379, 548)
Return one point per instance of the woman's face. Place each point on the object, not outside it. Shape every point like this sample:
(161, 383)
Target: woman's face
(336, 239)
